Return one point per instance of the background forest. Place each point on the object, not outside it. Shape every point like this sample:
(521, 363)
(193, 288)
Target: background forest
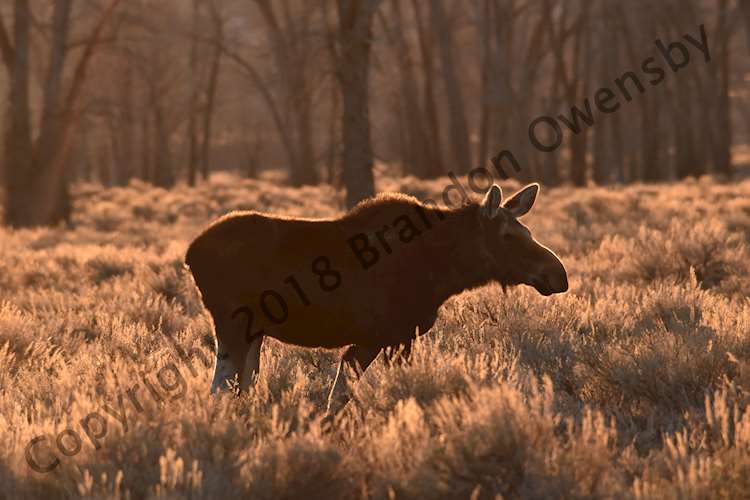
(169, 91)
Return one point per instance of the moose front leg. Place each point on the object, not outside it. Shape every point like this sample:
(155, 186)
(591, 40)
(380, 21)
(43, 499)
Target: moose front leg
(353, 364)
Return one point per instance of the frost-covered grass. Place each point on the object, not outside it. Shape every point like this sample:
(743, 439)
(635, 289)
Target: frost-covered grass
(633, 384)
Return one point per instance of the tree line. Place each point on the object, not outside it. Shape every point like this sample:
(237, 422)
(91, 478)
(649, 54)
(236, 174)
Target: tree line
(170, 91)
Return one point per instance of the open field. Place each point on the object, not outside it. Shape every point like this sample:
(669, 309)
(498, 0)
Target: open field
(633, 384)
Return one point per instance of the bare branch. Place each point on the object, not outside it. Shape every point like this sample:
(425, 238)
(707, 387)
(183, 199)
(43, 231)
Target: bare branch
(254, 76)
(79, 76)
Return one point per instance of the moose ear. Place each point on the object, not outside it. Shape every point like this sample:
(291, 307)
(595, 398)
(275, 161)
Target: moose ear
(520, 203)
(491, 202)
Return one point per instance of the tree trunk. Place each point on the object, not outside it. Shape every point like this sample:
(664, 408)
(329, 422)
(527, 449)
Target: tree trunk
(192, 173)
(651, 168)
(550, 162)
(125, 168)
(304, 172)
(434, 143)
(578, 147)
(163, 173)
(723, 148)
(51, 108)
(682, 120)
(333, 142)
(19, 151)
(744, 7)
(146, 153)
(355, 32)
(213, 83)
(486, 82)
(208, 116)
(602, 169)
(456, 110)
(579, 87)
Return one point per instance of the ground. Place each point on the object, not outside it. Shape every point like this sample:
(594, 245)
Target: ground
(635, 383)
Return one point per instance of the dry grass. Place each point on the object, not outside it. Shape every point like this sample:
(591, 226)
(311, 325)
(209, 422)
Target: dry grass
(634, 384)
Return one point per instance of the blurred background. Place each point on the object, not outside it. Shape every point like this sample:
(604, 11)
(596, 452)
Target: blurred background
(326, 91)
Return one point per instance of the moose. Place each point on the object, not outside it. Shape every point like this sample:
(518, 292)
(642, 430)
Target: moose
(371, 281)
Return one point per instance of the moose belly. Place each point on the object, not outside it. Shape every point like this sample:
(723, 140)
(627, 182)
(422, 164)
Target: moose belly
(319, 327)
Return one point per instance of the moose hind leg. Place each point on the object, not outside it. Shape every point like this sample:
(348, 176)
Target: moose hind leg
(353, 363)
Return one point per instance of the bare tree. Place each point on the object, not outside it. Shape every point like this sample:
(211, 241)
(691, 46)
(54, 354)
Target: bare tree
(36, 176)
(291, 42)
(418, 155)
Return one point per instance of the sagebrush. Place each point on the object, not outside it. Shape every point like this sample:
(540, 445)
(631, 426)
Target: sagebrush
(634, 384)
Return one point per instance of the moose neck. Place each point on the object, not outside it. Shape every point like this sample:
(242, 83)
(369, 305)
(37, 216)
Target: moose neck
(460, 256)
